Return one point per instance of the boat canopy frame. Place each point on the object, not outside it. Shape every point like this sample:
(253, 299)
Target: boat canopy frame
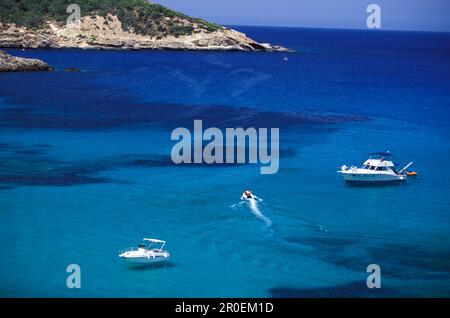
(155, 241)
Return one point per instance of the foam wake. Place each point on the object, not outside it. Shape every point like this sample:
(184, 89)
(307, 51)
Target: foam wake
(253, 205)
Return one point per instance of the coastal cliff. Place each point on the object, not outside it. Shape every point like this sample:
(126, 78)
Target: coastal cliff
(126, 24)
(9, 63)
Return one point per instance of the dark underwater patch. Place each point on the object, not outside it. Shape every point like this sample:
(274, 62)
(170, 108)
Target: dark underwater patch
(42, 146)
(22, 165)
(163, 115)
(20, 150)
(327, 247)
(5, 146)
(68, 179)
(342, 252)
(406, 262)
(147, 161)
(351, 290)
(51, 172)
(18, 110)
(396, 261)
(328, 244)
(148, 267)
(32, 152)
(75, 105)
(32, 166)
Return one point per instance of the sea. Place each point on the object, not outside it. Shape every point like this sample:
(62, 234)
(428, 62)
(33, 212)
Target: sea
(86, 169)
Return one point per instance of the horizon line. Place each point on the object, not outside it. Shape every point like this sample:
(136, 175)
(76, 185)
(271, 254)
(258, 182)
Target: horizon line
(334, 28)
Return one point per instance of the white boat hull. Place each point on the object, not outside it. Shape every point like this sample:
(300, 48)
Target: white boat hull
(143, 256)
(371, 177)
(145, 260)
(376, 169)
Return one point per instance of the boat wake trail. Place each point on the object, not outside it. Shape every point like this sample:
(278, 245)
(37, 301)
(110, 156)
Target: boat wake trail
(253, 204)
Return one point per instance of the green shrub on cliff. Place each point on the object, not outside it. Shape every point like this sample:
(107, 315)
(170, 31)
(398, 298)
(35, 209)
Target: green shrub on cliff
(138, 15)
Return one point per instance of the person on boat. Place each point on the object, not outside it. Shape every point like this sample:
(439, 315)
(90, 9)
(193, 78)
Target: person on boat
(248, 194)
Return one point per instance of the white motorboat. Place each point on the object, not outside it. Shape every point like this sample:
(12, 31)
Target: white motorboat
(378, 168)
(150, 251)
(247, 195)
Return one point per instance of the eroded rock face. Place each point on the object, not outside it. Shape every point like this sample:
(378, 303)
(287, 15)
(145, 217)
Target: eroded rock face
(97, 32)
(9, 63)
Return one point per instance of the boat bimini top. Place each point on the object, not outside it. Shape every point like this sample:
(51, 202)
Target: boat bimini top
(155, 241)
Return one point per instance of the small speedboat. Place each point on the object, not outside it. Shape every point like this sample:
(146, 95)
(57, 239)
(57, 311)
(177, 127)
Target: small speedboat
(150, 251)
(247, 195)
(378, 168)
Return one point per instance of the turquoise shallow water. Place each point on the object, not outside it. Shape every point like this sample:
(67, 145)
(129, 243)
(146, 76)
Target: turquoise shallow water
(85, 170)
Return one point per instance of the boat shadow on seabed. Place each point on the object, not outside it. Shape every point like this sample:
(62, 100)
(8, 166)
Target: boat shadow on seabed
(384, 184)
(150, 266)
(373, 184)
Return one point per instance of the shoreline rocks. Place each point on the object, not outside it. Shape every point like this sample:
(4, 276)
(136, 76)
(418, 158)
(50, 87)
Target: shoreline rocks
(97, 32)
(9, 63)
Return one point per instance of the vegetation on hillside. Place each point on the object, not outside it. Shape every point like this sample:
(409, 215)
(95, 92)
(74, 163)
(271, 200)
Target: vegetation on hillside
(139, 15)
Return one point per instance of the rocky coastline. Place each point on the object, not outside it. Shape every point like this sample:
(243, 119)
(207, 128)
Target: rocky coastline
(9, 63)
(98, 32)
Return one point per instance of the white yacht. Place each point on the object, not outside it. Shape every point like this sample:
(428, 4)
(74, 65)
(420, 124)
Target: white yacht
(378, 168)
(150, 251)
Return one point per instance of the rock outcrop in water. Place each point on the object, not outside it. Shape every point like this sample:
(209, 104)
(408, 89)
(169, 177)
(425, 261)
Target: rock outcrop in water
(9, 63)
(135, 24)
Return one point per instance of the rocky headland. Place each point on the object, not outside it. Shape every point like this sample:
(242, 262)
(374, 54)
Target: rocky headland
(9, 63)
(116, 25)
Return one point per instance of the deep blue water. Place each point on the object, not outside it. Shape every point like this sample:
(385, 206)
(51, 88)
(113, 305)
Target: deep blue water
(85, 169)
